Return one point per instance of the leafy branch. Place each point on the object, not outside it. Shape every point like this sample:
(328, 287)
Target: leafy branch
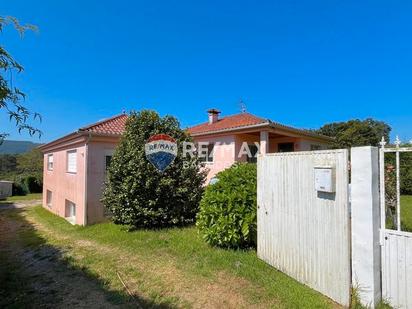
(11, 97)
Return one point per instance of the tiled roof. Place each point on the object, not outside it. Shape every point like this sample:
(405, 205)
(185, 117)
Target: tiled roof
(229, 122)
(114, 125)
(245, 120)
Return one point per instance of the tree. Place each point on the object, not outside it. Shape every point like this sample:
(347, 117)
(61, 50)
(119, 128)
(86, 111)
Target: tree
(8, 163)
(11, 97)
(31, 163)
(136, 193)
(356, 132)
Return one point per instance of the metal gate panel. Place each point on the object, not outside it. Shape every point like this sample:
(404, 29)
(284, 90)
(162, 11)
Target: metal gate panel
(396, 244)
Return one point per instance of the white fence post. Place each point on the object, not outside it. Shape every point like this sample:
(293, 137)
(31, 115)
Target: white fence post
(366, 256)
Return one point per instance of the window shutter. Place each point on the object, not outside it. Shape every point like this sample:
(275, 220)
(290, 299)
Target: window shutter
(50, 162)
(72, 161)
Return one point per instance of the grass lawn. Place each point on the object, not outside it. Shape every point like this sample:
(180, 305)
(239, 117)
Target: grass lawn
(166, 268)
(406, 212)
(17, 198)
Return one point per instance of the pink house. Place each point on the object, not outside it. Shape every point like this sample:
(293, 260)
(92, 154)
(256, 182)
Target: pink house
(75, 165)
(228, 136)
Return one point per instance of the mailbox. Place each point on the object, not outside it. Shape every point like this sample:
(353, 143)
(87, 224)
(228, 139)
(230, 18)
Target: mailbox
(325, 179)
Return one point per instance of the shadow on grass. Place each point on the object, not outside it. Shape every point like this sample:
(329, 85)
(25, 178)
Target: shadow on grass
(35, 274)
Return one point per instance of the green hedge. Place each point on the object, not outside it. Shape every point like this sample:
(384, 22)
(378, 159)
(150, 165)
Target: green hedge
(23, 185)
(227, 216)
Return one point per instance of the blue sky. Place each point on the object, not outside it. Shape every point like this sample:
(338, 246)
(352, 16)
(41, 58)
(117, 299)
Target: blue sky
(302, 63)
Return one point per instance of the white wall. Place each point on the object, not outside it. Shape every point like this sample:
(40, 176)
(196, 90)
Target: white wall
(366, 256)
(6, 189)
(302, 232)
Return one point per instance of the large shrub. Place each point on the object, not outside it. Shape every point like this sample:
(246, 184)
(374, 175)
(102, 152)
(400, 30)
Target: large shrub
(25, 170)
(136, 193)
(227, 216)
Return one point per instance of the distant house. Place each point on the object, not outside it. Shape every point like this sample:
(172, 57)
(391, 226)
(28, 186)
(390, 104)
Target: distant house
(75, 165)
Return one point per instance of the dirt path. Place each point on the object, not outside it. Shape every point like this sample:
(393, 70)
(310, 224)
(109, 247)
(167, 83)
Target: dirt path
(68, 270)
(177, 285)
(47, 280)
(55, 285)
(19, 204)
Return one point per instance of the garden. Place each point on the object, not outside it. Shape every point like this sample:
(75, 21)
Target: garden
(171, 241)
(170, 267)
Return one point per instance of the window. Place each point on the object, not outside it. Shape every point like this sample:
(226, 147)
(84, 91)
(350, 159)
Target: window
(50, 162)
(49, 197)
(315, 147)
(72, 161)
(70, 211)
(286, 147)
(207, 155)
(253, 150)
(108, 160)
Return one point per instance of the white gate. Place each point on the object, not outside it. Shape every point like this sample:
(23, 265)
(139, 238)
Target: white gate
(396, 244)
(302, 231)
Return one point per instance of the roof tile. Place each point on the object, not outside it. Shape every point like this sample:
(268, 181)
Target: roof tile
(229, 122)
(114, 125)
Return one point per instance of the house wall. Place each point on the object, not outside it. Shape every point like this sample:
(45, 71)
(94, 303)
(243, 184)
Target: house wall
(224, 153)
(300, 144)
(227, 148)
(96, 174)
(63, 185)
(305, 145)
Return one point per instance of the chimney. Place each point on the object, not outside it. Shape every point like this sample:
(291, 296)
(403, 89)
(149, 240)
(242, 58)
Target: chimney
(213, 115)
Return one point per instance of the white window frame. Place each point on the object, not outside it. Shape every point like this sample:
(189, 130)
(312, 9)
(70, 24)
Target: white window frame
(50, 163)
(68, 205)
(68, 153)
(49, 198)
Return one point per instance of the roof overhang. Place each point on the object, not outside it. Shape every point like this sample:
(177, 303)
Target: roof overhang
(80, 136)
(271, 127)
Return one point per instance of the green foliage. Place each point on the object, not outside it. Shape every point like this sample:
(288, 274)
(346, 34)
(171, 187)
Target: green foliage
(136, 193)
(227, 216)
(356, 132)
(8, 163)
(405, 164)
(25, 170)
(25, 184)
(406, 171)
(20, 188)
(11, 97)
(31, 163)
(356, 303)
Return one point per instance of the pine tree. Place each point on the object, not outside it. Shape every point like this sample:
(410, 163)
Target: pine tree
(136, 193)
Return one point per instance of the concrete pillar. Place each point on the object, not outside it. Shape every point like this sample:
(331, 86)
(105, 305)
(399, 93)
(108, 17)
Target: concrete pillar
(264, 142)
(366, 254)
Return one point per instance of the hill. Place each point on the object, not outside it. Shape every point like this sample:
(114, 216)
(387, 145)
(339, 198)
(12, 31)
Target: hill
(12, 147)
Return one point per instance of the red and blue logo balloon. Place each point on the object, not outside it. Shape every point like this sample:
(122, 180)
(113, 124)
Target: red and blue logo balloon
(161, 150)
